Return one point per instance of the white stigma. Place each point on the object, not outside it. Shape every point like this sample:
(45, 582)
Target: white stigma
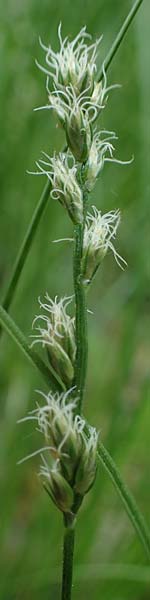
(100, 230)
(74, 63)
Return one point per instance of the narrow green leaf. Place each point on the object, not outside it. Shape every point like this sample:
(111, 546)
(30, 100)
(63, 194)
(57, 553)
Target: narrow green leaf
(26, 244)
(127, 498)
(120, 36)
(17, 335)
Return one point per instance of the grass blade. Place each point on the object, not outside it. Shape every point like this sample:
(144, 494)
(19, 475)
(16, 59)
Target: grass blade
(25, 247)
(127, 498)
(17, 335)
(120, 36)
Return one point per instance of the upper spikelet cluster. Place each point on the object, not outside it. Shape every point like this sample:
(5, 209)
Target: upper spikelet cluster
(74, 63)
(77, 98)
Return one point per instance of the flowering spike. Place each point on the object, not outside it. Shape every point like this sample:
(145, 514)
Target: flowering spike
(99, 232)
(63, 178)
(55, 330)
(58, 488)
(76, 114)
(101, 149)
(69, 458)
(86, 472)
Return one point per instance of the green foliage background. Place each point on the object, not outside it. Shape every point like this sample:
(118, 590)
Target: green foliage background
(118, 386)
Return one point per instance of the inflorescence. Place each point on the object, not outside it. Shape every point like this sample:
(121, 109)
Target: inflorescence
(69, 455)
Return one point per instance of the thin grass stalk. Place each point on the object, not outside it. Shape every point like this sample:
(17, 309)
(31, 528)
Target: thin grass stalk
(67, 571)
(16, 334)
(80, 314)
(26, 244)
(120, 36)
(127, 498)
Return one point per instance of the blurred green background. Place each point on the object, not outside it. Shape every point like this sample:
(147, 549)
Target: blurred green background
(118, 385)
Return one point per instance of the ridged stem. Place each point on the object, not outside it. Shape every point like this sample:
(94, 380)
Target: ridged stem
(80, 313)
(68, 553)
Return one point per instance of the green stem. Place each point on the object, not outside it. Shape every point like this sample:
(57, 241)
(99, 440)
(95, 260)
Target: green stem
(80, 313)
(131, 507)
(68, 551)
(17, 335)
(120, 37)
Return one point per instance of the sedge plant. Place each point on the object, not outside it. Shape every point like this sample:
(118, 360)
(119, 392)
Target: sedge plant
(70, 448)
